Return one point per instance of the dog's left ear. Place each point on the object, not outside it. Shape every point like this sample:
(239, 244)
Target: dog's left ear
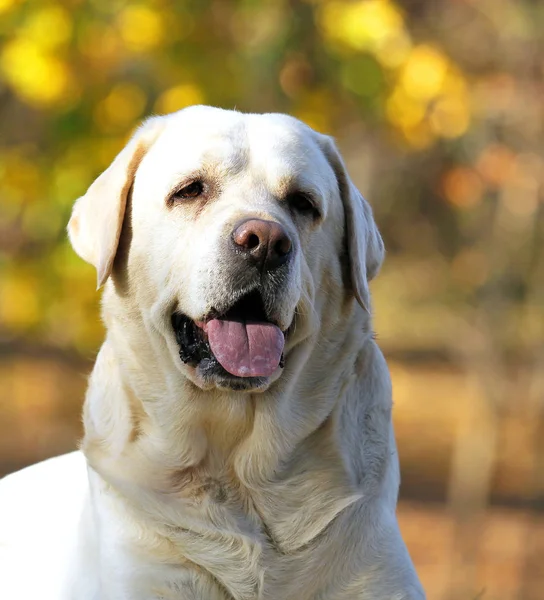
(97, 217)
(365, 245)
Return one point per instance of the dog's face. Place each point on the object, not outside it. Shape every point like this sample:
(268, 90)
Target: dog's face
(238, 229)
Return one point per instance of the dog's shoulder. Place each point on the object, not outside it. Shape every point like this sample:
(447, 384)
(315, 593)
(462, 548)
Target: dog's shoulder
(47, 489)
(40, 511)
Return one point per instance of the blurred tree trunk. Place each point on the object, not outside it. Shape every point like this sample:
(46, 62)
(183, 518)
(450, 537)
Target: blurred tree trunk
(533, 572)
(481, 348)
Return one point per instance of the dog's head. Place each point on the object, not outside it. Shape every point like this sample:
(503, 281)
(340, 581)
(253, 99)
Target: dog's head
(229, 233)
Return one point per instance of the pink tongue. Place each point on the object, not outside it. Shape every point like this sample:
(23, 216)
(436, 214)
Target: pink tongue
(246, 349)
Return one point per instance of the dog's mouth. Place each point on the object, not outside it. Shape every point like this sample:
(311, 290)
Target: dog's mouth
(241, 342)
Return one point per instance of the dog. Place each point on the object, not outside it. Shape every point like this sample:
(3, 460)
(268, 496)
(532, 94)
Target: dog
(238, 439)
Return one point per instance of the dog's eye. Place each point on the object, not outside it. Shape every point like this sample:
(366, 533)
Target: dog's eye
(193, 190)
(302, 203)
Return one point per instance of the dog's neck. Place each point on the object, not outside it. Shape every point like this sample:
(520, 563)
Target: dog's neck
(151, 430)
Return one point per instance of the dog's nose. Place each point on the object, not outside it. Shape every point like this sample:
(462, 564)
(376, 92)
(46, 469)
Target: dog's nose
(266, 242)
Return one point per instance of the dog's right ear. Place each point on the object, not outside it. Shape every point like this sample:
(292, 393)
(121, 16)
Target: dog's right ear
(97, 217)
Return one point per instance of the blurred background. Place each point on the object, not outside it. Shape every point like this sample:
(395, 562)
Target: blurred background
(438, 108)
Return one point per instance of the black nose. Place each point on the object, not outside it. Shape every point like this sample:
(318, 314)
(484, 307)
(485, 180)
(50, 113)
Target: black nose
(265, 242)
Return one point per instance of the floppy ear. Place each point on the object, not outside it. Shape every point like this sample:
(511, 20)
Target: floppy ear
(97, 217)
(365, 245)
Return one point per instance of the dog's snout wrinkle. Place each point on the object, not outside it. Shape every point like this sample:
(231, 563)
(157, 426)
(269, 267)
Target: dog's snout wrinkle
(266, 243)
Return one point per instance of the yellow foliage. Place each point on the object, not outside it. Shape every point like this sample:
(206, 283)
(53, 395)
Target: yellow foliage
(418, 136)
(48, 27)
(255, 28)
(19, 176)
(404, 110)
(430, 99)
(100, 43)
(178, 97)
(39, 222)
(424, 73)
(314, 119)
(450, 116)
(37, 76)
(455, 83)
(6, 5)
(393, 51)
(19, 306)
(372, 25)
(106, 148)
(360, 65)
(121, 107)
(141, 28)
(313, 110)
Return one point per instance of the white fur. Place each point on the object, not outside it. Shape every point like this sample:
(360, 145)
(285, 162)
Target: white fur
(198, 492)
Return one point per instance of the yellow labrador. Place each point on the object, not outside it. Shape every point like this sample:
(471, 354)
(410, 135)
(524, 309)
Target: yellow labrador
(238, 436)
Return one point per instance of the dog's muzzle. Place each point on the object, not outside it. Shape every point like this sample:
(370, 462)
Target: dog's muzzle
(240, 342)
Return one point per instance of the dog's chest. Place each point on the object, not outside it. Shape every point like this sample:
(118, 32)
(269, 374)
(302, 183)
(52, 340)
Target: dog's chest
(247, 543)
(207, 537)
(243, 540)
(219, 529)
